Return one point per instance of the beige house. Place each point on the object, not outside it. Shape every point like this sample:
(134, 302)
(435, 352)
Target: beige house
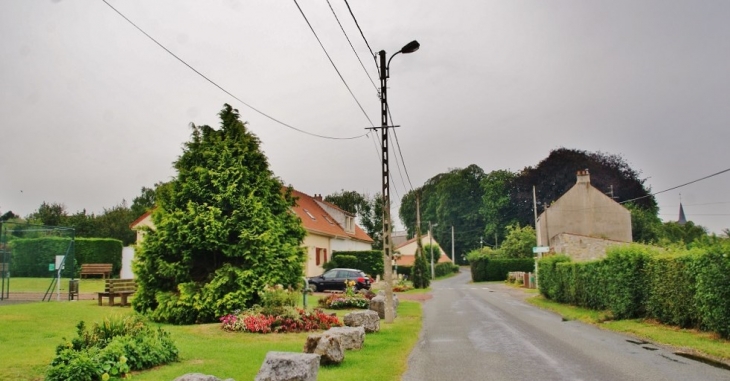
(328, 227)
(405, 253)
(584, 222)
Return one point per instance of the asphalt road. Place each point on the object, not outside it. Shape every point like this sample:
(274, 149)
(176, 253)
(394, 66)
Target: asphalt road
(486, 332)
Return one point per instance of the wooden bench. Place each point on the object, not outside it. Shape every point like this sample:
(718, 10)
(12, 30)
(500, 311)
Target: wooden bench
(118, 287)
(103, 269)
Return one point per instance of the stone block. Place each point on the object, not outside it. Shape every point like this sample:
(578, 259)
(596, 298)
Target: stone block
(288, 366)
(367, 319)
(351, 337)
(199, 377)
(328, 346)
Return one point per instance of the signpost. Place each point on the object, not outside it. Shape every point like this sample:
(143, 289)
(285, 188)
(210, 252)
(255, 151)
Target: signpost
(540, 249)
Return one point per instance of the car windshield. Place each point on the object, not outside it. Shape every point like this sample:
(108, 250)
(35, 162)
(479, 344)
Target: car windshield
(330, 274)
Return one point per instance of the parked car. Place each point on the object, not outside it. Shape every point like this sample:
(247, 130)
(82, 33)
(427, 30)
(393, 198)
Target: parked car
(335, 280)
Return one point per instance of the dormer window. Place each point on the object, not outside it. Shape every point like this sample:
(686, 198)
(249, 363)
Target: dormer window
(349, 224)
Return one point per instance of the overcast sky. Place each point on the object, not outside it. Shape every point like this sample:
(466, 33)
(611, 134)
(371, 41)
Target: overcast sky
(92, 109)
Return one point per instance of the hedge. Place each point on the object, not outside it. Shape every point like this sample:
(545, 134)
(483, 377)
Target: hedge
(31, 256)
(369, 261)
(485, 268)
(685, 288)
(445, 268)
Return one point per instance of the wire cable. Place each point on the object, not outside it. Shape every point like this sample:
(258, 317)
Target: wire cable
(400, 152)
(353, 48)
(402, 179)
(221, 88)
(358, 28)
(333, 63)
(678, 186)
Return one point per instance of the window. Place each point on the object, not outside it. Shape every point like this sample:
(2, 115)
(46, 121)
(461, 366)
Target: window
(309, 214)
(321, 256)
(328, 220)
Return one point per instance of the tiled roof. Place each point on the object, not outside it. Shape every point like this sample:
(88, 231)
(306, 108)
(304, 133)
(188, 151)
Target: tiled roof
(317, 220)
(142, 217)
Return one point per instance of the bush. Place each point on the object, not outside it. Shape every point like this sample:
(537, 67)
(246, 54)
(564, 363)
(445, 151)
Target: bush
(31, 256)
(485, 268)
(340, 301)
(445, 268)
(112, 349)
(369, 261)
(713, 294)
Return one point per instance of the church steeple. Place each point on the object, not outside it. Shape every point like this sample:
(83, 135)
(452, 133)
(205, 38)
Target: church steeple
(682, 219)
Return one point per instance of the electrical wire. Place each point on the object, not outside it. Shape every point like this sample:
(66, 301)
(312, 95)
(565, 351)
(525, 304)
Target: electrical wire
(358, 28)
(400, 152)
(221, 88)
(678, 186)
(333, 63)
(353, 48)
(402, 179)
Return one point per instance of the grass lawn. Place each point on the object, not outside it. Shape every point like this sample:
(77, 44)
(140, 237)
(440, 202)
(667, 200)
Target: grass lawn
(692, 341)
(32, 331)
(41, 285)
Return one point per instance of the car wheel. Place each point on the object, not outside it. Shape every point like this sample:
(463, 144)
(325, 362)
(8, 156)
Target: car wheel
(314, 288)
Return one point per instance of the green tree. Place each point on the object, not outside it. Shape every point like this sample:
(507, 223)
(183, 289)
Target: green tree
(84, 224)
(349, 201)
(673, 233)
(496, 208)
(449, 199)
(554, 175)
(519, 242)
(224, 230)
(114, 223)
(9, 215)
(646, 227)
(368, 209)
(53, 214)
(144, 202)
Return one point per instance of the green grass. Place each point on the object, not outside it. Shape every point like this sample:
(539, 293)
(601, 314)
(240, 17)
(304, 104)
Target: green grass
(685, 339)
(34, 330)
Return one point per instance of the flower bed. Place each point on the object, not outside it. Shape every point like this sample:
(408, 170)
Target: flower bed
(293, 320)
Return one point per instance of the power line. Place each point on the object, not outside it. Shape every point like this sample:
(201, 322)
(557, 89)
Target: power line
(400, 152)
(358, 28)
(405, 188)
(678, 186)
(333, 63)
(221, 88)
(353, 48)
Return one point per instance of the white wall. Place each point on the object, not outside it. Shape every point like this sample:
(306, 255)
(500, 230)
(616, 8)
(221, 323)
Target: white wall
(127, 257)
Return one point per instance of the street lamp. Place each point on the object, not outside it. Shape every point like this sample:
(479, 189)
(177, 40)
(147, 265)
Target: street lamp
(387, 258)
(430, 244)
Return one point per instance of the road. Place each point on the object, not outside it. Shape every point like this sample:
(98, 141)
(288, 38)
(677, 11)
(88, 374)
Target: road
(486, 332)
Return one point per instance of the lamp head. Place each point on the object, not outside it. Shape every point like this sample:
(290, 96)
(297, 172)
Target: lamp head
(410, 47)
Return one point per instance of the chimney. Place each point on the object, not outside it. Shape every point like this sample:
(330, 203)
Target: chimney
(318, 197)
(583, 177)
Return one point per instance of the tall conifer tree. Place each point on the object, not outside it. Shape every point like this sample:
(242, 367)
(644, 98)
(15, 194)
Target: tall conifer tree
(224, 230)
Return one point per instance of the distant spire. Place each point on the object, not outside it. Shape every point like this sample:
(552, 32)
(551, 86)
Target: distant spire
(682, 219)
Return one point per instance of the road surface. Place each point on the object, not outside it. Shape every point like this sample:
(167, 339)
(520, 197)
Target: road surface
(484, 331)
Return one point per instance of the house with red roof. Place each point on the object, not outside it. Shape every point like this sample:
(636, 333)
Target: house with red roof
(328, 227)
(405, 253)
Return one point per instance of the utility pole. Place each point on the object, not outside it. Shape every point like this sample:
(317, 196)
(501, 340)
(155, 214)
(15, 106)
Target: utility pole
(452, 245)
(387, 257)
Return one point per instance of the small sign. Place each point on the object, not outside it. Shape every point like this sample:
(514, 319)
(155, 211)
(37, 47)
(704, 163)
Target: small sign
(51, 267)
(541, 249)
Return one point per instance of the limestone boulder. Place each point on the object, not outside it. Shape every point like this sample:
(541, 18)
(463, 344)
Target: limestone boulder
(367, 319)
(288, 366)
(328, 346)
(377, 304)
(199, 377)
(351, 337)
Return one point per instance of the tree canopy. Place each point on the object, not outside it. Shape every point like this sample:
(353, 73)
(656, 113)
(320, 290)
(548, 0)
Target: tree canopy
(224, 230)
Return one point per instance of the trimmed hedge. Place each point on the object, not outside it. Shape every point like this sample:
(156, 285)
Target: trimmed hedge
(484, 268)
(369, 261)
(30, 256)
(445, 268)
(686, 288)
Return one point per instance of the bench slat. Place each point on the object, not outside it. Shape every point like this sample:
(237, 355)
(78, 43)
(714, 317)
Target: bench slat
(118, 287)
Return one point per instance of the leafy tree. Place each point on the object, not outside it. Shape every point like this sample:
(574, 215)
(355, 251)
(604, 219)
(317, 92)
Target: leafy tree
(84, 224)
(419, 273)
(9, 215)
(349, 201)
(49, 214)
(497, 209)
(646, 227)
(114, 223)
(554, 175)
(144, 202)
(519, 242)
(673, 232)
(224, 230)
(449, 199)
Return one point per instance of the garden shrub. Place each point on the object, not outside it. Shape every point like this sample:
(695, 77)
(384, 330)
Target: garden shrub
(486, 268)
(368, 261)
(672, 286)
(445, 268)
(627, 291)
(712, 292)
(548, 280)
(31, 256)
(112, 348)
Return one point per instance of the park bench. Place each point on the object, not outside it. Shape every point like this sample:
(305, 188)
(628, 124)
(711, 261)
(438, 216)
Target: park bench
(103, 269)
(118, 287)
